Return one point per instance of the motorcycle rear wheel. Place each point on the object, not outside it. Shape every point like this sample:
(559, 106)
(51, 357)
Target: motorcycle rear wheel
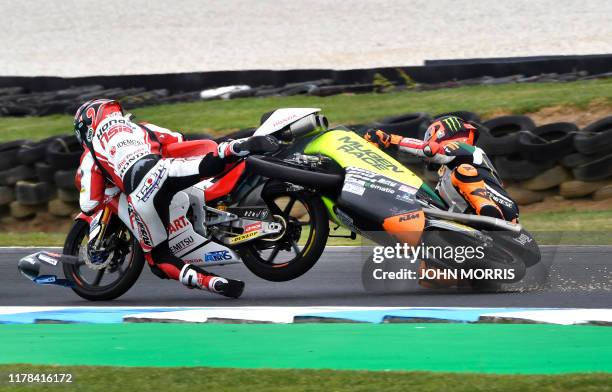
(88, 283)
(261, 257)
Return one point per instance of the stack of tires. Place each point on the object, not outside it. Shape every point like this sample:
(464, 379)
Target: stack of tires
(527, 157)
(591, 164)
(551, 159)
(39, 176)
(534, 161)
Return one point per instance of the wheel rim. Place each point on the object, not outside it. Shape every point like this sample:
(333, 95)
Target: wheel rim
(298, 237)
(101, 279)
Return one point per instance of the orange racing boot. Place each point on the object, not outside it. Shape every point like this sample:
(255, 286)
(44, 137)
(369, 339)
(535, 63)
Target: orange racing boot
(471, 186)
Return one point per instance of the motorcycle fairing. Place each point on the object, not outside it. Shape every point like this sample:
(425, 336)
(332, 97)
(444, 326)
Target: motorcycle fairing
(371, 200)
(350, 150)
(225, 184)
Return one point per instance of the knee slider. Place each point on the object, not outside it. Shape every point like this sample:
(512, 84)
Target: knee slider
(465, 173)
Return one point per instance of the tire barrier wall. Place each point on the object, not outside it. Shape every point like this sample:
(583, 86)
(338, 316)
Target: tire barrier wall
(21, 96)
(552, 160)
(535, 162)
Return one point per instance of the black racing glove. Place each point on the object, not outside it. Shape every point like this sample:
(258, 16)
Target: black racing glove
(252, 145)
(255, 145)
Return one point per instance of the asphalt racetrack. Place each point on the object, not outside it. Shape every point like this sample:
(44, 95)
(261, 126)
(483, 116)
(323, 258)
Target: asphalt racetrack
(568, 276)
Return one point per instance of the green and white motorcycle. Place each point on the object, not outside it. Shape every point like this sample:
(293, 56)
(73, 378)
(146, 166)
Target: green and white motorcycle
(368, 192)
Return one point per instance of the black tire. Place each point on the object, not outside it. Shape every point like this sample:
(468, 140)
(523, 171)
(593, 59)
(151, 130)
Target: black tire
(9, 153)
(411, 125)
(577, 189)
(577, 159)
(599, 169)
(64, 179)
(603, 193)
(595, 138)
(44, 171)
(462, 114)
(92, 292)
(524, 197)
(297, 89)
(30, 154)
(501, 134)
(514, 167)
(550, 178)
(7, 195)
(55, 107)
(62, 209)
(243, 93)
(22, 211)
(14, 110)
(17, 173)
(68, 195)
(547, 142)
(64, 153)
(34, 193)
(325, 91)
(264, 266)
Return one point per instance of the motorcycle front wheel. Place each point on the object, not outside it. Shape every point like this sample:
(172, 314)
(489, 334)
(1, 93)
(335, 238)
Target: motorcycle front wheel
(106, 283)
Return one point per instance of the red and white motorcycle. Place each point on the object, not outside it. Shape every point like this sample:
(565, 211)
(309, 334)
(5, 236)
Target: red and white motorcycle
(277, 229)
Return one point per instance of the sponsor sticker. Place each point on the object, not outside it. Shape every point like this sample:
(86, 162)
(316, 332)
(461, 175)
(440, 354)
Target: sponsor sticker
(252, 227)
(182, 245)
(367, 154)
(177, 224)
(256, 213)
(381, 188)
(523, 239)
(407, 217)
(218, 255)
(47, 259)
(151, 183)
(353, 188)
(139, 225)
(407, 189)
(244, 237)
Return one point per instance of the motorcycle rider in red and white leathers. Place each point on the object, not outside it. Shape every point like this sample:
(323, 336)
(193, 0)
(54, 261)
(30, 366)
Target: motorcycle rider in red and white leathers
(123, 156)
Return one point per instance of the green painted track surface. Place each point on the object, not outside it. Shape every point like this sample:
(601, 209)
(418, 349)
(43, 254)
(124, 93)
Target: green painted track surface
(485, 348)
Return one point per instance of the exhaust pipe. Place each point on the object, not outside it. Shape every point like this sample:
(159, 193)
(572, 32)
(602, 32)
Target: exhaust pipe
(304, 126)
(485, 222)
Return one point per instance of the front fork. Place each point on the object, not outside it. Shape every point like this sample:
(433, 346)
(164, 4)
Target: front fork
(97, 233)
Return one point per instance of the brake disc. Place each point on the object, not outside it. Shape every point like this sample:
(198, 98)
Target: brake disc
(96, 260)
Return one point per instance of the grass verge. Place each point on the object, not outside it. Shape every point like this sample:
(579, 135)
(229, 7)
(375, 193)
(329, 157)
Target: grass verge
(558, 227)
(108, 379)
(222, 116)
